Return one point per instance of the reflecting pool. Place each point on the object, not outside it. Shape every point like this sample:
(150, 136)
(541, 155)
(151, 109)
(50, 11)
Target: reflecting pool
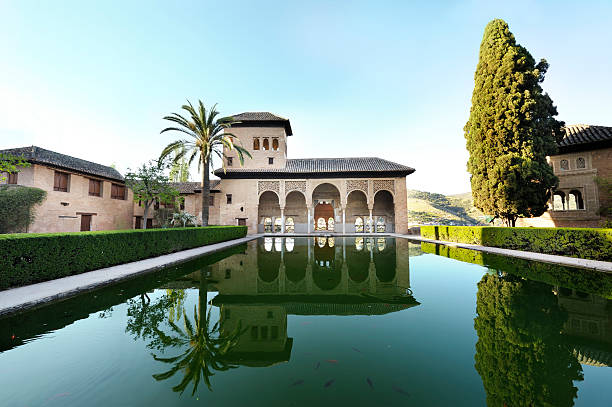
(322, 321)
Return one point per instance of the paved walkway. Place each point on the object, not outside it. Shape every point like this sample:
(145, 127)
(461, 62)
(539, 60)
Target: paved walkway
(21, 298)
(604, 266)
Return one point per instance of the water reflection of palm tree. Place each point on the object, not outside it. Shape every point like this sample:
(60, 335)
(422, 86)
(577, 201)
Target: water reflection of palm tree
(205, 346)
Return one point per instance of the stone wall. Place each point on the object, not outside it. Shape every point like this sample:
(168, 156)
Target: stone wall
(61, 211)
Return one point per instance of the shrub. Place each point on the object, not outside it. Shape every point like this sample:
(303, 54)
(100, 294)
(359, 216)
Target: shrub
(16, 207)
(31, 258)
(584, 243)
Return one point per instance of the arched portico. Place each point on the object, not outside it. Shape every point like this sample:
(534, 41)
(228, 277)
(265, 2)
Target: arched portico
(326, 206)
(383, 213)
(268, 211)
(296, 212)
(357, 211)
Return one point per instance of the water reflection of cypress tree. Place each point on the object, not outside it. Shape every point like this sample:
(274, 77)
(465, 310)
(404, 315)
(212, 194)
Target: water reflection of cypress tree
(520, 355)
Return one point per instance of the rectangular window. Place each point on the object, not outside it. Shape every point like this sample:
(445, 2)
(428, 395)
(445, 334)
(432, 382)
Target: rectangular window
(230, 161)
(12, 178)
(229, 199)
(95, 187)
(211, 200)
(270, 160)
(117, 191)
(60, 181)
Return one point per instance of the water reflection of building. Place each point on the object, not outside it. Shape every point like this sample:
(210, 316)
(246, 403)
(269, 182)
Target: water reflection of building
(588, 326)
(318, 276)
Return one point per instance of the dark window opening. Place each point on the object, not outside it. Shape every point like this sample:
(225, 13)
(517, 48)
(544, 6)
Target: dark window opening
(12, 178)
(60, 181)
(230, 161)
(266, 144)
(275, 144)
(117, 191)
(211, 200)
(95, 187)
(229, 199)
(270, 160)
(255, 144)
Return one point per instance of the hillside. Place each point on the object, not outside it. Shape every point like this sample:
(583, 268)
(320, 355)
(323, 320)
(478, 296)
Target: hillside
(431, 208)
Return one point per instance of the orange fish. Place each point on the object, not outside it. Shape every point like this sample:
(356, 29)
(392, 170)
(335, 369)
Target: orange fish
(331, 361)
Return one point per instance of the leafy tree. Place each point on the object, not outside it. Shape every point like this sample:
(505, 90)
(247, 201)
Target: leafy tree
(511, 130)
(521, 355)
(10, 164)
(179, 169)
(17, 207)
(150, 185)
(208, 135)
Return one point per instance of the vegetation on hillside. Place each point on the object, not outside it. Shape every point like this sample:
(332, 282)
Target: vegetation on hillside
(431, 208)
(511, 129)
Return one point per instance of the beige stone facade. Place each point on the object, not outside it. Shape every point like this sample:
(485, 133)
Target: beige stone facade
(578, 199)
(64, 211)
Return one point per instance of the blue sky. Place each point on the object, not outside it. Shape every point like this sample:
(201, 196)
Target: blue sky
(378, 78)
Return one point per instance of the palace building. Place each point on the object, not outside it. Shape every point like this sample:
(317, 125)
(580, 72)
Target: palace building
(269, 193)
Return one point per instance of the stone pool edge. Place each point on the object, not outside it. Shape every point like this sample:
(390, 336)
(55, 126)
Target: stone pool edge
(597, 265)
(20, 299)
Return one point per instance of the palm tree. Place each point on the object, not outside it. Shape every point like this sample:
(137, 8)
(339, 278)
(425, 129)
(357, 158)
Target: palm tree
(208, 135)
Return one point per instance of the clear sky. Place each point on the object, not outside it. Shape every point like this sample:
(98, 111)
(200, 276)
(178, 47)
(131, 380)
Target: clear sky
(377, 78)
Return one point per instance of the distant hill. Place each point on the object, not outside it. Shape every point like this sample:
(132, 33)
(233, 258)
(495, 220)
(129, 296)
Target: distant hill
(431, 208)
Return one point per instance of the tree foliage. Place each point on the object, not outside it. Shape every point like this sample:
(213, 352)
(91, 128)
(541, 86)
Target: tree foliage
(208, 136)
(10, 164)
(17, 207)
(150, 185)
(511, 129)
(521, 354)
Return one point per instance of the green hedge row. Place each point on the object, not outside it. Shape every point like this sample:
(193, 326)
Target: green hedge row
(584, 243)
(585, 280)
(31, 258)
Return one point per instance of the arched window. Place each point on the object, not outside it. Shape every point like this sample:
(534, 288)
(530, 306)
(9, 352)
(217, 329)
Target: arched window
(278, 223)
(380, 224)
(331, 242)
(278, 244)
(368, 225)
(321, 224)
(564, 165)
(359, 243)
(321, 241)
(381, 244)
(266, 144)
(268, 244)
(268, 225)
(580, 162)
(359, 226)
(274, 144)
(256, 143)
(559, 201)
(289, 244)
(289, 225)
(330, 224)
(575, 200)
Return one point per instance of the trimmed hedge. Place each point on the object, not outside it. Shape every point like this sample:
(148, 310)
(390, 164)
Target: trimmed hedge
(31, 258)
(584, 243)
(585, 280)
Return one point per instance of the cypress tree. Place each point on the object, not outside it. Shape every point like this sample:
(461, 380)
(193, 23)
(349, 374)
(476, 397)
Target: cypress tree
(511, 130)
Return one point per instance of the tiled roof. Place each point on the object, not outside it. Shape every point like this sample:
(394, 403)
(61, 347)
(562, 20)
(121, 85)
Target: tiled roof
(328, 165)
(264, 119)
(39, 155)
(258, 116)
(577, 134)
(193, 187)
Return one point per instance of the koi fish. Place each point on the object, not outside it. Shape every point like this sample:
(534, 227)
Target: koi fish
(13, 337)
(400, 391)
(329, 383)
(297, 382)
(317, 366)
(356, 350)
(370, 383)
(331, 361)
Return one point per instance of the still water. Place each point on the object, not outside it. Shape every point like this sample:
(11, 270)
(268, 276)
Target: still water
(322, 321)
